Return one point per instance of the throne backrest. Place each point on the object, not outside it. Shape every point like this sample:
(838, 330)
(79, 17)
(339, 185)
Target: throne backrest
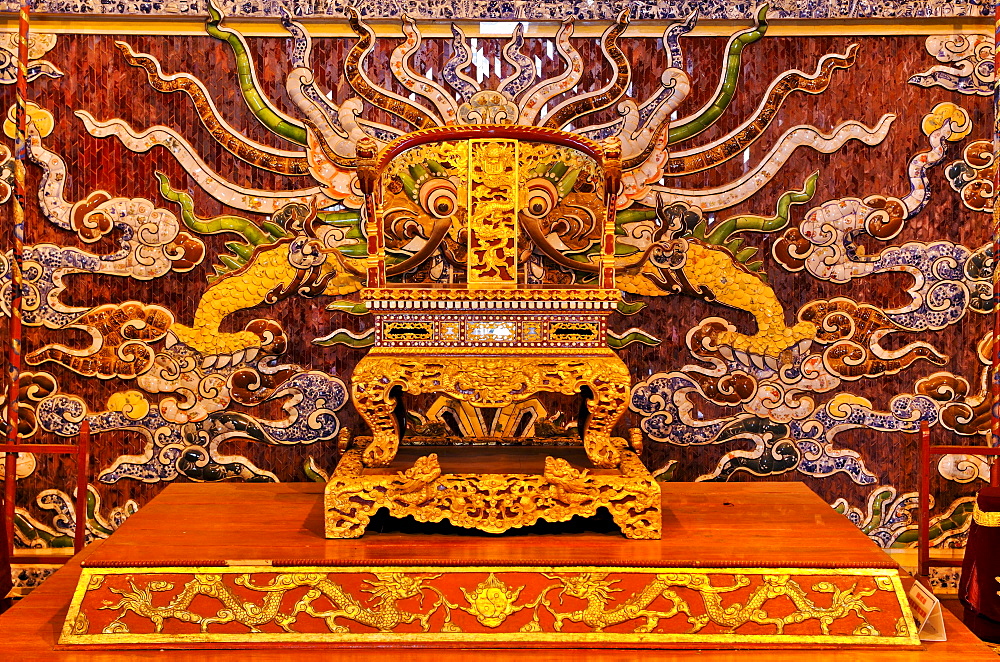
(489, 195)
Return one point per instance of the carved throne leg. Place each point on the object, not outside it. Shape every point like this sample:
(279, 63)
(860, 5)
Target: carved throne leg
(348, 507)
(370, 387)
(610, 387)
(640, 520)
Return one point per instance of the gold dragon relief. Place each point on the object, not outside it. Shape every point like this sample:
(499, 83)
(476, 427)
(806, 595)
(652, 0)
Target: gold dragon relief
(493, 227)
(773, 601)
(494, 503)
(283, 600)
(473, 604)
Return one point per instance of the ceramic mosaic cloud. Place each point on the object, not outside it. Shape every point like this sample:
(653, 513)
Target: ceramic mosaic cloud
(804, 257)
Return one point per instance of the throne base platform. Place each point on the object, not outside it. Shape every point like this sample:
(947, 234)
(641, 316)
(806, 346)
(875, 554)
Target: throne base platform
(489, 488)
(246, 566)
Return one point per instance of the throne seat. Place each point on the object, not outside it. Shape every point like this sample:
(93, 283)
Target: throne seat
(491, 337)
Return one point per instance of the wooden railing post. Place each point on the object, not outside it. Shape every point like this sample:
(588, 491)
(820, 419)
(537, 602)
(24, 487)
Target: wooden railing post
(923, 539)
(82, 451)
(926, 453)
(9, 487)
(82, 472)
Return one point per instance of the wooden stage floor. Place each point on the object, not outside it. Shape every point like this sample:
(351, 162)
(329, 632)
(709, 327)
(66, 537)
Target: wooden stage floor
(703, 524)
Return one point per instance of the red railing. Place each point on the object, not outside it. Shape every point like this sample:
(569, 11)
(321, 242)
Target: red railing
(82, 451)
(924, 560)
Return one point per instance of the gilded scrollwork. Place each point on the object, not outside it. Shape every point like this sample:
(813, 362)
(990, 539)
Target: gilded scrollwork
(486, 381)
(492, 502)
(985, 517)
(80, 625)
(493, 199)
(492, 601)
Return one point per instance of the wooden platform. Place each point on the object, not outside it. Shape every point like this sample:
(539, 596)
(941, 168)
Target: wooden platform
(708, 529)
(743, 524)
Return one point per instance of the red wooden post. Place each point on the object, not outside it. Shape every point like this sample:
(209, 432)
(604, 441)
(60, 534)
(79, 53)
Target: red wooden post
(9, 485)
(17, 227)
(368, 176)
(923, 540)
(612, 181)
(82, 472)
(995, 377)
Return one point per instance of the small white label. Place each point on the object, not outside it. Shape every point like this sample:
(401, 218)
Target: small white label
(927, 613)
(499, 28)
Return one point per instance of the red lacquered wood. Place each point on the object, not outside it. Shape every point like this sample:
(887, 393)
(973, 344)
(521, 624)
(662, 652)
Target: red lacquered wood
(923, 539)
(703, 522)
(9, 486)
(964, 450)
(82, 479)
(82, 451)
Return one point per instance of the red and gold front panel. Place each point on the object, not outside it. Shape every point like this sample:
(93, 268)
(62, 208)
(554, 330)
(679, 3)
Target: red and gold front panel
(489, 605)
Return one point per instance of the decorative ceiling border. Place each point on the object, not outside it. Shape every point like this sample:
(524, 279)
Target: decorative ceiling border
(331, 27)
(512, 10)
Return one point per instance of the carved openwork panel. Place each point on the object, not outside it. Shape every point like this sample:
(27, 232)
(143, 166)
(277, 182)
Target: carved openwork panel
(491, 203)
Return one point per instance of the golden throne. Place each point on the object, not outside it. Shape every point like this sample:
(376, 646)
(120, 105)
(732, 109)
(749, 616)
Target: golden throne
(492, 335)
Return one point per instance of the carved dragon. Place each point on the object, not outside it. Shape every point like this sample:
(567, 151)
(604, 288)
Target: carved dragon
(314, 242)
(385, 615)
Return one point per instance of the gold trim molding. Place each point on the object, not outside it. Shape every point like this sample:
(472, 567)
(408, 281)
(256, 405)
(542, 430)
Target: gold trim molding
(326, 27)
(985, 518)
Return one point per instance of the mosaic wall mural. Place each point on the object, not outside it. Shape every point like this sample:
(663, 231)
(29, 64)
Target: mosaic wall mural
(802, 244)
(588, 10)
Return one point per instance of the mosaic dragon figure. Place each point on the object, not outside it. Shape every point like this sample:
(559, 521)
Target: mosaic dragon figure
(189, 369)
(314, 244)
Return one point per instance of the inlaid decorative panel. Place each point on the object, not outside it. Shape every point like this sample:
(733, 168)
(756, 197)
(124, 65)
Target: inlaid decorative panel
(521, 10)
(802, 243)
(662, 607)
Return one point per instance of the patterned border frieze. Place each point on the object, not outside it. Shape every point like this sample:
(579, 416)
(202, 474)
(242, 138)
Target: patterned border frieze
(599, 10)
(188, 607)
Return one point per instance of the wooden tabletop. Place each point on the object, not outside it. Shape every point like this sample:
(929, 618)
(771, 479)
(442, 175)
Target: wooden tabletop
(702, 522)
(740, 524)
